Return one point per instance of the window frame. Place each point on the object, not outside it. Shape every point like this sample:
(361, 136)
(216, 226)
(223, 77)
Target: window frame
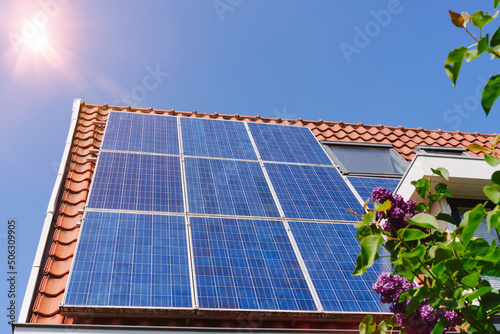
(345, 171)
(442, 151)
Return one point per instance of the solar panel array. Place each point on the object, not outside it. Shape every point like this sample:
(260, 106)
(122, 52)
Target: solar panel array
(365, 185)
(209, 214)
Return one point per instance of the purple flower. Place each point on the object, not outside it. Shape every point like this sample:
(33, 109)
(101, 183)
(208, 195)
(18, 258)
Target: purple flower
(390, 287)
(399, 210)
(423, 319)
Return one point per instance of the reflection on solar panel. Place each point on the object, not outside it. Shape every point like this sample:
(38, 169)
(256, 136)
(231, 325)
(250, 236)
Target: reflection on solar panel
(216, 139)
(126, 181)
(228, 187)
(288, 144)
(127, 259)
(365, 185)
(329, 251)
(312, 192)
(247, 264)
(141, 133)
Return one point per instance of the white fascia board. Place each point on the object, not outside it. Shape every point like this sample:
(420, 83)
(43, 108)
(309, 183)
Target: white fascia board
(468, 175)
(49, 217)
(96, 329)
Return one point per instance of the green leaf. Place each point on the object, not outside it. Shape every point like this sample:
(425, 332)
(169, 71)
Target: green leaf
(365, 327)
(407, 294)
(495, 178)
(492, 193)
(495, 140)
(367, 219)
(424, 220)
(457, 19)
(447, 218)
(491, 160)
(442, 188)
(421, 207)
(410, 234)
(442, 254)
(477, 147)
(478, 293)
(443, 172)
(491, 92)
(471, 280)
(383, 206)
(470, 222)
(482, 46)
(491, 299)
(369, 253)
(422, 187)
(439, 328)
(453, 64)
(492, 219)
(413, 259)
(495, 3)
(479, 248)
(365, 204)
(471, 55)
(480, 18)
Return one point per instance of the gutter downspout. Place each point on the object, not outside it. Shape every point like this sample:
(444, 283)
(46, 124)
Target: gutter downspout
(36, 269)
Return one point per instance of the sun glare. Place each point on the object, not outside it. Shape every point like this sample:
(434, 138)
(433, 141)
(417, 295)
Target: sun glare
(41, 41)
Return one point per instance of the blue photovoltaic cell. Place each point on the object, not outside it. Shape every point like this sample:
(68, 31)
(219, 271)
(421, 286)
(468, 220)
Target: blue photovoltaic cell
(141, 133)
(329, 251)
(216, 139)
(247, 264)
(228, 187)
(365, 185)
(288, 144)
(126, 259)
(313, 192)
(142, 182)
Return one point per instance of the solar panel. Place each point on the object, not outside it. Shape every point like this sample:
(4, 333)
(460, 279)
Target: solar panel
(313, 192)
(217, 139)
(228, 187)
(141, 133)
(329, 251)
(288, 144)
(126, 259)
(142, 182)
(365, 185)
(247, 264)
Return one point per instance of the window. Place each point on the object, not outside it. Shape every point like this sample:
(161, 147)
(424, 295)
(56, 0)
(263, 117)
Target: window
(456, 151)
(366, 159)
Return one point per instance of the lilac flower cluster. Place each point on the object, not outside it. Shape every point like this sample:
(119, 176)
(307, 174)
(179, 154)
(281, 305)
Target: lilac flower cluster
(423, 319)
(396, 215)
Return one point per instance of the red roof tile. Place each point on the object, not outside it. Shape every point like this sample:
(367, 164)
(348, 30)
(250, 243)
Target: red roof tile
(88, 137)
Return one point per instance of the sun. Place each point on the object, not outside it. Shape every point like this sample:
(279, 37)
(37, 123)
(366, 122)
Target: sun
(39, 42)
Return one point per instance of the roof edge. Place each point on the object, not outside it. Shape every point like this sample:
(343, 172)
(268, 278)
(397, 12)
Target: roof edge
(279, 119)
(31, 289)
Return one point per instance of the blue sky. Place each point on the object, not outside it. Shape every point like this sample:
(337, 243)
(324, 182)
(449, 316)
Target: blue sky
(374, 62)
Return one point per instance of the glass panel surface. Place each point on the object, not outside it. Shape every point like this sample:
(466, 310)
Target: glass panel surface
(313, 192)
(132, 132)
(126, 259)
(365, 185)
(329, 251)
(228, 187)
(139, 182)
(288, 144)
(216, 139)
(368, 159)
(247, 264)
